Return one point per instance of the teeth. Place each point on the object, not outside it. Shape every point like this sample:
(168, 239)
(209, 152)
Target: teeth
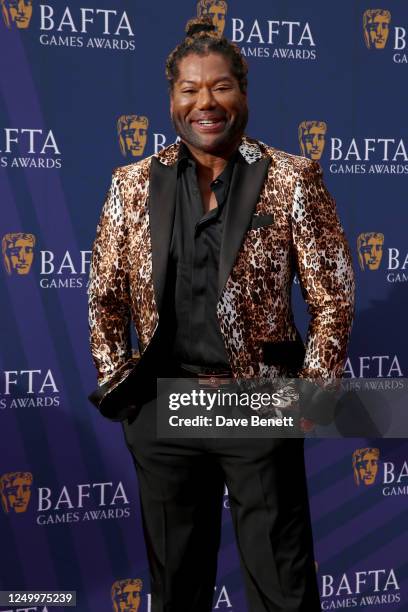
(207, 122)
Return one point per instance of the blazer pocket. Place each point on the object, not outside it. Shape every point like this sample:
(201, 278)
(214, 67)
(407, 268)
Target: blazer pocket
(261, 221)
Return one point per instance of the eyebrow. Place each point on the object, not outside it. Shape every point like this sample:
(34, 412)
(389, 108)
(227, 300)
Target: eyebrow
(217, 80)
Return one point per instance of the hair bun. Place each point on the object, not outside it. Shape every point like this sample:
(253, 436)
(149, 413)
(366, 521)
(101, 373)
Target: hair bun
(198, 25)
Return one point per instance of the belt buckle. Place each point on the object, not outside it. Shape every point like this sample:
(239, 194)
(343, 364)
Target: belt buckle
(213, 381)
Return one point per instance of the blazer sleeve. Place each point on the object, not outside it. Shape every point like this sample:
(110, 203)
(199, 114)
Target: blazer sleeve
(326, 275)
(108, 288)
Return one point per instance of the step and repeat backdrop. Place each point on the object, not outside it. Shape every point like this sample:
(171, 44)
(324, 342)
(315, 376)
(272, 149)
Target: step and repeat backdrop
(82, 92)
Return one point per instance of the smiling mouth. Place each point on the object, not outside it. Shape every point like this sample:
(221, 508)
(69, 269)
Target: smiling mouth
(209, 125)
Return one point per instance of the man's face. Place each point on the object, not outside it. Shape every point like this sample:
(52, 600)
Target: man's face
(208, 109)
(314, 140)
(18, 494)
(368, 468)
(21, 255)
(20, 12)
(135, 136)
(371, 252)
(378, 30)
(217, 14)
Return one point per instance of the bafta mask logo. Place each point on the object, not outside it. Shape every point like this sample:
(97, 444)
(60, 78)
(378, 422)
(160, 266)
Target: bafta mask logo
(17, 12)
(216, 9)
(18, 252)
(132, 132)
(312, 138)
(15, 491)
(370, 250)
(365, 465)
(126, 595)
(376, 26)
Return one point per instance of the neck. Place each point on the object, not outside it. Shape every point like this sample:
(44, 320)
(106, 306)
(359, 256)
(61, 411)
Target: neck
(212, 164)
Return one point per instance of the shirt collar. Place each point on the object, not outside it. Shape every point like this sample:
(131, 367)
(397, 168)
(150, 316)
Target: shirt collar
(185, 158)
(184, 155)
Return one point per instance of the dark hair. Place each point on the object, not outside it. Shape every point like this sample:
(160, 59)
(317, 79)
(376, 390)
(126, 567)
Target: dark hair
(202, 38)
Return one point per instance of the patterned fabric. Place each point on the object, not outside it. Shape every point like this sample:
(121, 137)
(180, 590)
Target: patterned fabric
(254, 308)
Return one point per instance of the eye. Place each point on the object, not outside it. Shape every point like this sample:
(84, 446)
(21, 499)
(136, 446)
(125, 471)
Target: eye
(187, 91)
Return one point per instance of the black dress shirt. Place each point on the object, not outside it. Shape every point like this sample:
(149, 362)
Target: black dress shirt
(193, 267)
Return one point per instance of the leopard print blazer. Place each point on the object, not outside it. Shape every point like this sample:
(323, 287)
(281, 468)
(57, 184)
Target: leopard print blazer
(254, 308)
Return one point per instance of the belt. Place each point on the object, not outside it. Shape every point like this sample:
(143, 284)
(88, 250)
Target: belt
(210, 377)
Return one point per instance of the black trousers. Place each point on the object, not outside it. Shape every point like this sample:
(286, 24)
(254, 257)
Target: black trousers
(181, 484)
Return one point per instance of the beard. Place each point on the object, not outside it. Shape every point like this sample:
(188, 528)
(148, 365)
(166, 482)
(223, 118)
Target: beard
(220, 143)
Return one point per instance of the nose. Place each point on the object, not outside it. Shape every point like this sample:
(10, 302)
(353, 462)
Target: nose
(205, 99)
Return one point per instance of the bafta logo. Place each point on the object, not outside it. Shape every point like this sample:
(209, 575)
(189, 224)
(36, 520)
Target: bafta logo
(312, 138)
(126, 595)
(132, 132)
(370, 250)
(18, 252)
(216, 9)
(376, 26)
(365, 465)
(17, 12)
(15, 491)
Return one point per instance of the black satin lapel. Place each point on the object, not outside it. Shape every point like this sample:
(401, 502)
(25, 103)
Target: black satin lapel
(246, 184)
(162, 198)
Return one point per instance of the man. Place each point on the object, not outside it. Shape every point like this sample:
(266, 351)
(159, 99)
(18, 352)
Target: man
(199, 245)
